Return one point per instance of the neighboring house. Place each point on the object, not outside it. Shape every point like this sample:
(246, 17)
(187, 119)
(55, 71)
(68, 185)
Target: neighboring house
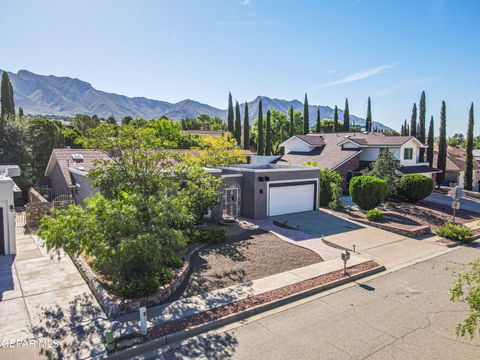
(455, 167)
(251, 190)
(350, 153)
(8, 188)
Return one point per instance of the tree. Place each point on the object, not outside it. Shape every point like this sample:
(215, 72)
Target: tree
(328, 181)
(230, 120)
(318, 126)
(368, 121)
(335, 119)
(431, 142)
(111, 120)
(306, 119)
(268, 141)
(20, 112)
(126, 120)
(468, 176)
(279, 125)
(442, 145)
(6, 97)
(246, 129)
(456, 140)
(238, 124)
(84, 122)
(261, 135)
(44, 135)
(413, 121)
(367, 191)
(421, 125)
(292, 122)
(346, 117)
(70, 137)
(385, 167)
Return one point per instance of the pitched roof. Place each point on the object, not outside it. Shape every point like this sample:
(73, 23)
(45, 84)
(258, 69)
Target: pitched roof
(420, 169)
(65, 160)
(456, 158)
(314, 140)
(377, 139)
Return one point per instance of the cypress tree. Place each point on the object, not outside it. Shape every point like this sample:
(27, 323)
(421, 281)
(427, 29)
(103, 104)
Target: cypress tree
(421, 125)
(20, 111)
(268, 137)
(413, 121)
(468, 176)
(346, 117)
(318, 128)
(442, 146)
(292, 121)
(405, 128)
(238, 124)
(368, 121)
(306, 119)
(335, 119)
(246, 129)
(230, 116)
(6, 97)
(402, 130)
(261, 136)
(431, 141)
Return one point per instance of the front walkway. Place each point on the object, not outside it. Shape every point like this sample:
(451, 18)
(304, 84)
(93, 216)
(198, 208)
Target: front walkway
(43, 296)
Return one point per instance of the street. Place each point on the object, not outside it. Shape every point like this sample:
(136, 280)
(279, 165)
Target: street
(465, 204)
(405, 314)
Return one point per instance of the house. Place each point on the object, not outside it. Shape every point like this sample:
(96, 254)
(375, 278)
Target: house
(349, 153)
(455, 167)
(8, 188)
(251, 190)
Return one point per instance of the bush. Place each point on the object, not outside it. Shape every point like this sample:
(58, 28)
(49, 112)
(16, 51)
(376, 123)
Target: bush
(145, 285)
(375, 215)
(415, 187)
(367, 191)
(207, 235)
(336, 201)
(327, 178)
(455, 232)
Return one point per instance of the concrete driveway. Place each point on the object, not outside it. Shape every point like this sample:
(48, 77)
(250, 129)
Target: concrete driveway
(465, 204)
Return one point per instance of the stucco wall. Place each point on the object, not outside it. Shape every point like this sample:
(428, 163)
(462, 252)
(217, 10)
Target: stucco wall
(59, 185)
(6, 206)
(85, 188)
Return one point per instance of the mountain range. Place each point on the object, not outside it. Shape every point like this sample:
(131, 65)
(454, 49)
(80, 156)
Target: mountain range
(65, 96)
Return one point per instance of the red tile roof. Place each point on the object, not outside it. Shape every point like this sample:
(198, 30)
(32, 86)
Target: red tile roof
(456, 158)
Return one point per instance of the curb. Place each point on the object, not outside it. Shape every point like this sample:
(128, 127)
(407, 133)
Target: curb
(232, 318)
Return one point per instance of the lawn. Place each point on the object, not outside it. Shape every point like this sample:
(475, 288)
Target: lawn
(245, 255)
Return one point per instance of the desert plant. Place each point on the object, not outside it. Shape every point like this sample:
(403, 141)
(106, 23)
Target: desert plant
(455, 232)
(415, 186)
(375, 215)
(367, 191)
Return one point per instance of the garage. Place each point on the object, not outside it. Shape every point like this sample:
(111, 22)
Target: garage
(288, 198)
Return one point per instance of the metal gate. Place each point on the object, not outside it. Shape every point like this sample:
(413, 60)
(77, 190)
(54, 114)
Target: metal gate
(63, 201)
(231, 202)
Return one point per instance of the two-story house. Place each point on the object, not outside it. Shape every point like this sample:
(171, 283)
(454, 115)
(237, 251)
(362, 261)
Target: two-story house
(350, 153)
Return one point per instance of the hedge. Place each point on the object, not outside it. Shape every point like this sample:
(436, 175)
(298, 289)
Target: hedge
(367, 191)
(415, 187)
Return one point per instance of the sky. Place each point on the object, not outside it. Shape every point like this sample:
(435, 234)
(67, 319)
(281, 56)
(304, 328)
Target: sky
(201, 49)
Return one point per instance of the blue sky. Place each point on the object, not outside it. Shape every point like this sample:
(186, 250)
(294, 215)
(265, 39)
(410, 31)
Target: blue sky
(201, 49)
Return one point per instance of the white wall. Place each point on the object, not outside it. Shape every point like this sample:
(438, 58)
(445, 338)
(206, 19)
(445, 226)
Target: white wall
(6, 202)
(416, 148)
(295, 144)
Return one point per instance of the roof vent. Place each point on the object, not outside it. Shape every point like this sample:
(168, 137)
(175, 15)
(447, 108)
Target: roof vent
(77, 157)
(81, 168)
(347, 136)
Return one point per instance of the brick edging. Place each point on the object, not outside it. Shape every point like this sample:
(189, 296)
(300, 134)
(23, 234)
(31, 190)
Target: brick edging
(418, 231)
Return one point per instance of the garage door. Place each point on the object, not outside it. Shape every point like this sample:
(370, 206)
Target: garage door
(291, 199)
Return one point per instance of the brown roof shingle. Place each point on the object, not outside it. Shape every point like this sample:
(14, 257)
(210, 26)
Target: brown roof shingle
(456, 158)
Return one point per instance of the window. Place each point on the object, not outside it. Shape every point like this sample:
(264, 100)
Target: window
(408, 154)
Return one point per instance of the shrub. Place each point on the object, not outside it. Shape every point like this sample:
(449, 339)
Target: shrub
(207, 235)
(327, 178)
(146, 284)
(336, 201)
(367, 191)
(415, 186)
(455, 232)
(375, 215)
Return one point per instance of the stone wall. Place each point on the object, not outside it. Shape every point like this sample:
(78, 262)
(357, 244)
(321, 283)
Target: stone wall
(36, 208)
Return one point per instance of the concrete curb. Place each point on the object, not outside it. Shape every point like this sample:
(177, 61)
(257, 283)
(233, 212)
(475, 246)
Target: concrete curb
(232, 318)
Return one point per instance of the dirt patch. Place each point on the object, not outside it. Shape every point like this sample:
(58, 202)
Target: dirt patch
(246, 255)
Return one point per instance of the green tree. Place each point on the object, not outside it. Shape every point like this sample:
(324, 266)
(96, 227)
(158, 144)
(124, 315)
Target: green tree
(368, 120)
(6, 97)
(261, 135)
(335, 120)
(318, 124)
(306, 118)
(431, 142)
(385, 167)
(367, 191)
(20, 112)
(468, 176)
(127, 120)
(111, 120)
(246, 129)
(238, 124)
(230, 116)
(422, 125)
(346, 117)
(442, 145)
(84, 122)
(268, 141)
(292, 121)
(70, 136)
(279, 129)
(329, 180)
(413, 121)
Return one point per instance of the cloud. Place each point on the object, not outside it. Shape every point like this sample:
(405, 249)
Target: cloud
(245, 2)
(358, 76)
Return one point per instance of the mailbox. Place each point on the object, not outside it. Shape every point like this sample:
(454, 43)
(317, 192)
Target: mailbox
(345, 255)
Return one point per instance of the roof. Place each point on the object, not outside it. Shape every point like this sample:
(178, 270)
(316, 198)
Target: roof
(377, 139)
(456, 158)
(419, 169)
(63, 157)
(314, 140)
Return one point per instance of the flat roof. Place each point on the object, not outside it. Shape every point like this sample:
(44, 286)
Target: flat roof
(267, 167)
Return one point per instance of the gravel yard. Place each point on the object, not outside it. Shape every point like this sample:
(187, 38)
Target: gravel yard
(246, 255)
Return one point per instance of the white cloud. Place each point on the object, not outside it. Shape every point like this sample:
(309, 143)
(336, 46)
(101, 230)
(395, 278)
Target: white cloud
(358, 76)
(245, 2)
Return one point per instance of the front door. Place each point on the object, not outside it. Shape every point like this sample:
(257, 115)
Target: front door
(2, 234)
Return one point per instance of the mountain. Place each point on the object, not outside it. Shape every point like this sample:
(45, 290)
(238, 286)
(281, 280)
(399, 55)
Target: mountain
(64, 96)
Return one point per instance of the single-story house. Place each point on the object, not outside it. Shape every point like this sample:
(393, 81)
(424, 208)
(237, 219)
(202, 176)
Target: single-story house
(455, 167)
(350, 153)
(8, 188)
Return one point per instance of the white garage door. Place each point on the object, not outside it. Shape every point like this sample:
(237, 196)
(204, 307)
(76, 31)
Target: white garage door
(291, 199)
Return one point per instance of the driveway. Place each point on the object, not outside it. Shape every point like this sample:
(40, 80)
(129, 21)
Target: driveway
(465, 204)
